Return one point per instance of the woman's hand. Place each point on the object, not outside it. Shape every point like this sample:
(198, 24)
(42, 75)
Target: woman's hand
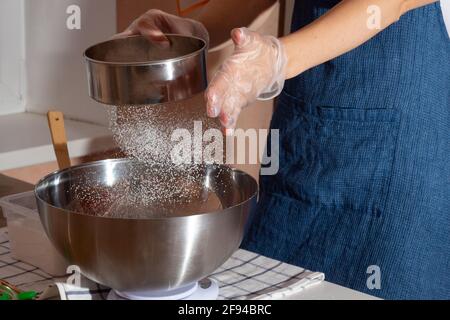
(154, 23)
(256, 70)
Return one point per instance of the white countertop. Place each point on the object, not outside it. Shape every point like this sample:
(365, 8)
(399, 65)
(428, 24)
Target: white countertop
(25, 139)
(330, 291)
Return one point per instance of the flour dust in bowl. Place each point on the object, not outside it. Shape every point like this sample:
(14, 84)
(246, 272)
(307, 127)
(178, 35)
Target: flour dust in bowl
(98, 216)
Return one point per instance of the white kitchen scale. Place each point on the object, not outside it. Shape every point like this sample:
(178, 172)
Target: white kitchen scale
(206, 289)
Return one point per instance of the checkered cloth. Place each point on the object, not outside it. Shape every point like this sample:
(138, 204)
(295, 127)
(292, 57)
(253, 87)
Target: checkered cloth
(21, 274)
(244, 276)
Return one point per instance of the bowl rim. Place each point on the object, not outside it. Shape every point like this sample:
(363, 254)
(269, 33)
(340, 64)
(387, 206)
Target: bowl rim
(150, 62)
(120, 160)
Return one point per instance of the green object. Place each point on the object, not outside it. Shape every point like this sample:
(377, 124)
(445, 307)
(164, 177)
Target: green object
(6, 293)
(27, 295)
(4, 296)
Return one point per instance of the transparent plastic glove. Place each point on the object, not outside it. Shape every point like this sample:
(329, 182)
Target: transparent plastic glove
(256, 70)
(154, 23)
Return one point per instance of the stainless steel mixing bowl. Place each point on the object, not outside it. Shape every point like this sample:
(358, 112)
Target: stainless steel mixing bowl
(136, 71)
(161, 252)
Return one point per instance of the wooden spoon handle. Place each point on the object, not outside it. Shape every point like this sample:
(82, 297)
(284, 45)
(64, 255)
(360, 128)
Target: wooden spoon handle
(59, 139)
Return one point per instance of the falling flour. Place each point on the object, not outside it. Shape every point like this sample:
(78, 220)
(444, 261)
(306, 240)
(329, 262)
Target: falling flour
(157, 187)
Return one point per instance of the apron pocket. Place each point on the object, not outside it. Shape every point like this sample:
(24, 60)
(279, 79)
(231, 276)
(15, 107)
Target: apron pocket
(336, 157)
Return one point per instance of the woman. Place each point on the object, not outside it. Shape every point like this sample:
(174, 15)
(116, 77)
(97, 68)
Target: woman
(364, 120)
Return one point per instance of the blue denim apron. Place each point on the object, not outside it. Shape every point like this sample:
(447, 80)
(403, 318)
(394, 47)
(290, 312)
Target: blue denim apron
(364, 176)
